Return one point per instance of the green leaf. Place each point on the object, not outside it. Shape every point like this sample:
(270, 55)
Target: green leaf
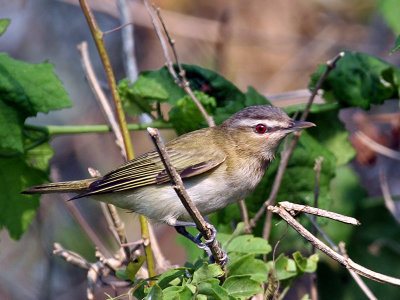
(249, 244)
(132, 100)
(3, 25)
(177, 293)
(211, 289)
(248, 265)
(17, 210)
(133, 267)
(39, 157)
(359, 80)
(284, 267)
(11, 122)
(390, 10)
(332, 134)
(156, 293)
(242, 286)
(169, 275)
(301, 262)
(396, 45)
(25, 90)
(186, 117)
(205, 272)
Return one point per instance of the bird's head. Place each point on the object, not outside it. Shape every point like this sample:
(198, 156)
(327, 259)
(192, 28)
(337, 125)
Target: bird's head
(259, 130)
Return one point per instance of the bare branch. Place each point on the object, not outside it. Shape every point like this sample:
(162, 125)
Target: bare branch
(389, 203)
(245, 216)
(180, 79)
(128, 43)
(285, 156)
(347, 262)
(319, 212)
(177, 184)
(71, 257)
(357, 277)
(378, 148)
(100, 96)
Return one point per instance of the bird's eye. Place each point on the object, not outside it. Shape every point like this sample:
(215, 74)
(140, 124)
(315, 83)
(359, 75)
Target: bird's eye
(261, 128)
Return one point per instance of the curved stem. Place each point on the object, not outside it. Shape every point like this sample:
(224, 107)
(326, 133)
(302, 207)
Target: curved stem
(98, 38)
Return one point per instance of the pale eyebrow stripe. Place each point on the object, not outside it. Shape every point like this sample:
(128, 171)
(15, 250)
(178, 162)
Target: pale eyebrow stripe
(268, 123)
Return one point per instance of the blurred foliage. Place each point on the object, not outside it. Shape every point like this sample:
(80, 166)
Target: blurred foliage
(390, 10)
(359, 80)
(396, 45)
(3, 25)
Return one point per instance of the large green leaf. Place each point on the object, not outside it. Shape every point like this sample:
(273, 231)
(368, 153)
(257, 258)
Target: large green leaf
(17, 210)
(359, 80)
(25, 90)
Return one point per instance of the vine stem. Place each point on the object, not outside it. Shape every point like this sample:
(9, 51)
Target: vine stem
(98, 39)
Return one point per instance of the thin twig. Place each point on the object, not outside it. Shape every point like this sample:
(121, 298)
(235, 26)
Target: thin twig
(71, 257)
(357, 277)
(347, 262)
(98, 38)
(378, 148)
(245, 216)
(128, 42)
(99, 94)
(319, 212)
(389, 203)
(76, 214)
(313, 277)
(177, 184)
(285, 156)
(180, 79)
(339, 249)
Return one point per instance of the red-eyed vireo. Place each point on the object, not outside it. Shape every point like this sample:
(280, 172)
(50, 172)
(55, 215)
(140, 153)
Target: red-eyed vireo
(219, 165)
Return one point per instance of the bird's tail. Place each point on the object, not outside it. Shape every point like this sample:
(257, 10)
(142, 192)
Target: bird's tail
(77, 186)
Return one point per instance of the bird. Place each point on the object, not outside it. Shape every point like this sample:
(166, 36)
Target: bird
(219, 165)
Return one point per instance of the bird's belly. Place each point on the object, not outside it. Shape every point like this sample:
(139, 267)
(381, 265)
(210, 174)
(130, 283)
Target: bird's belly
(160, 202)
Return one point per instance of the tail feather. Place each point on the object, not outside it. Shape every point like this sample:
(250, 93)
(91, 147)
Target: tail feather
(77, 186)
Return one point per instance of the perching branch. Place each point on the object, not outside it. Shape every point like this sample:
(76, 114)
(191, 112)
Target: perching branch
(180, 79)
(177, 184)
(347, 262)
(285, 156)
(98, 38)
(319, 212)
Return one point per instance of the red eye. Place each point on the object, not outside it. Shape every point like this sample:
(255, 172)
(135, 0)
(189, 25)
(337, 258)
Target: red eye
(261, 128)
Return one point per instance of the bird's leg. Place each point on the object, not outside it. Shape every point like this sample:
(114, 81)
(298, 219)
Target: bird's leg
(180, 228)
(196, 239)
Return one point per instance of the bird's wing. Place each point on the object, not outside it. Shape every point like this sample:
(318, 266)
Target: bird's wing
(149, 169)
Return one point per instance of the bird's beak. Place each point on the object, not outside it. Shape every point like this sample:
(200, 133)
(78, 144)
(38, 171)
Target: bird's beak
(299, 125)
